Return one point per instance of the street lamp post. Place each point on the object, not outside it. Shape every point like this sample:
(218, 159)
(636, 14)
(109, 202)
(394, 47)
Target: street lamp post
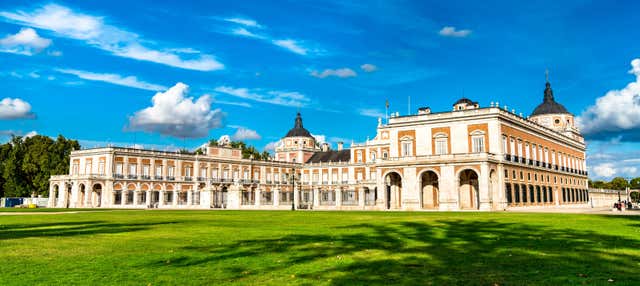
(293, 179)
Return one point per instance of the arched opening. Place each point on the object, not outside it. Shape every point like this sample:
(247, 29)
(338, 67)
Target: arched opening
(117, 194)
(81, 196)
(96, 195)
(468, 189)
(67, 197)
(220, 198)
(393, 193)
(55, 195)
(429, 191)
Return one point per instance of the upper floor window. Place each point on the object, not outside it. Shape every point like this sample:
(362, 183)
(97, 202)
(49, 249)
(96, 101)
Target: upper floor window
(132, 169)
(74, 168)
(101, 167)
(87, 167)
(407, 148)
(477, 142)
(373, 156)
(158, 170)
(146, 170)
(504, 144)
(359, 156)
(119, 168)
(441, 144)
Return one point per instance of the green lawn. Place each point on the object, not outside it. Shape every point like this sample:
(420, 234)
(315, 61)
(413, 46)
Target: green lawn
(271, 247)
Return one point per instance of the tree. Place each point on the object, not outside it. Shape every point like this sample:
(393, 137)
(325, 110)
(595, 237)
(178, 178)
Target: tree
(26, 164)
(635, 183)
(618, 183)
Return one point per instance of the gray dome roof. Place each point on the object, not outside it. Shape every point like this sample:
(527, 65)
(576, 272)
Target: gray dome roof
(298, 130)
(465, 100)
(549, 105)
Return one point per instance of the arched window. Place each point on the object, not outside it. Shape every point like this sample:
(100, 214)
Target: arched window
(406, 146)
(373, 156)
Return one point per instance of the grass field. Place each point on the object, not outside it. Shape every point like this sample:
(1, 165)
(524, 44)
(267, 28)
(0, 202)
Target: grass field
(367, 248)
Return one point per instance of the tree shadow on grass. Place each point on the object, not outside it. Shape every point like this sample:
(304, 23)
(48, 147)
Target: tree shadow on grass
(72, 228)
(440, 252)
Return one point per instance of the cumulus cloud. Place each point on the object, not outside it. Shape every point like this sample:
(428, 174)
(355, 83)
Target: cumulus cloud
(450, 31)
(369, 67)
(320, 138)
(284, 98)
(605, 170)
(370, 112)
(271, 146)
(93, 30)
(343, 73)
(616, 114)
(246, 134)
(175, 114)
(26, 42)
(15, 108)
(130, 81)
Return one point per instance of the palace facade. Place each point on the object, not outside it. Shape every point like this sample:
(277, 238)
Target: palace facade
(469, 158)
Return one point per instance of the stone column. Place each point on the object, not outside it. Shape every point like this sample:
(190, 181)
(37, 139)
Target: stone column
(258, 197)
(175, 198)
(87, 198)
(338, 195)
(135, 198)
(161, 199)
(234, 197)
(296, 197)
(361, 197)
(148, 199)
(123, 197)
(316, 197)
(51, 202)
(276, 197)
(189, 197)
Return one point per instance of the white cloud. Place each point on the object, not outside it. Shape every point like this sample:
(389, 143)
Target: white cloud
(320, 138)
(130, 81)
(245, 22)
(616, 114)
(291, 45)
(15, 108)
(26, 42)
(450, 31)
(174, 114)
(30, 134)
(55, 53)
(605, 170)
(370, 112)
(246, 134)
(343, 73)
(271, 146)
(246, 33)
(369, 67)
(95, 32)
(284, 98)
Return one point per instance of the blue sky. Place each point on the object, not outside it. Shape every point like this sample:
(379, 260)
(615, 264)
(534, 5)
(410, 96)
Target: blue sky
(90, 69)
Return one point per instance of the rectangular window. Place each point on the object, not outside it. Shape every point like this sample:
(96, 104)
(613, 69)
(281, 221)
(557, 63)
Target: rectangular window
(87, 168)
(146, 170)
(119, 168)
(441, 146)
(101, 167)
(132, 169)
(171, 171)
(478, 144)
(74, 168)
(159, 170)
(406, 149)
(214, 173)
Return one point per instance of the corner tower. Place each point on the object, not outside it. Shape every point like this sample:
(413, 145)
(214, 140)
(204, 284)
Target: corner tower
(298, 145)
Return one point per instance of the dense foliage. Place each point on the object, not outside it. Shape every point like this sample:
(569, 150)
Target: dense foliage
(617, 183)
(248, 151)
(26, 163)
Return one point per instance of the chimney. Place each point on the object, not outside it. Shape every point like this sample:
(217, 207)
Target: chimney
(424, 110)
(324, 147)
(340, 145)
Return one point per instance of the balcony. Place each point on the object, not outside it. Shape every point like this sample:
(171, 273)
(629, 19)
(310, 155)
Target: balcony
(507, 157)
(132, 177)
(118, 176)
(185, 178)
(530, 162)
(159, 178)
(171, 178)
(145, 177)
(225, 180)
(201, 179)
(344, 182)
(255, 181)
(214, 180)
(268, 181)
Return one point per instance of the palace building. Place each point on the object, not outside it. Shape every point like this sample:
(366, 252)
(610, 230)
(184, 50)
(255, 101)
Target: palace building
(469, 158)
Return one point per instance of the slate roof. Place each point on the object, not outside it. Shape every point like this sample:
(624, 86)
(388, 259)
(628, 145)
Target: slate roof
(330, 156)
(549, 105)
(298, 130)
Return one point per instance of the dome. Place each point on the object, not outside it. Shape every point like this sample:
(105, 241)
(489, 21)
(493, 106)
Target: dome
(549, 105)
(298, 130)
(465, 100)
